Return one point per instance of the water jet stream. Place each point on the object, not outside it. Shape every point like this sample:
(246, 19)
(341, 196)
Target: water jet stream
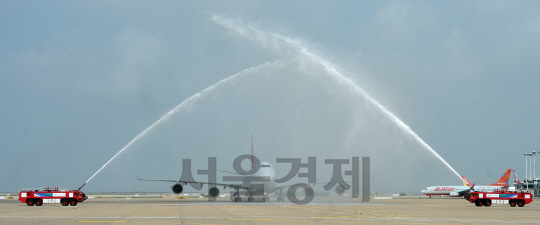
(286, 45)
(186, 104)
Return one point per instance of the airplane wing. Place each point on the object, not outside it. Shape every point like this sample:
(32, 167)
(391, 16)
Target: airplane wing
(235, 186)
(461, 193)
(466, 192)
(156, 180)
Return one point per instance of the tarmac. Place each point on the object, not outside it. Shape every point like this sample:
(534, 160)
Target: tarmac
(323, 210)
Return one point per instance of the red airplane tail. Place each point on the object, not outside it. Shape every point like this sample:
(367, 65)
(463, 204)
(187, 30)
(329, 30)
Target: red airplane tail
(504, 179)
(466, 181)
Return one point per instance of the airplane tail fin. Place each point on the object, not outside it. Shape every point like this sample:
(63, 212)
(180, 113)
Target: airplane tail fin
(504, 179)
(466, 181)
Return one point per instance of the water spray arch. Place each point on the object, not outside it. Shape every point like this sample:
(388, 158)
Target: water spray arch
(298, 48)
(302, 59)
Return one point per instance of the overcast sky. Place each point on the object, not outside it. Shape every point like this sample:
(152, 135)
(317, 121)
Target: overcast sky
(79, 80)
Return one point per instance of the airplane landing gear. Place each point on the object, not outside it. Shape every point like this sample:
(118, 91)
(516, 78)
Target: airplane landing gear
(235, 197)
(280, 197)
(265, 198)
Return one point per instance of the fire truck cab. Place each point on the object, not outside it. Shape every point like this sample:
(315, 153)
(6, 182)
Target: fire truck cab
(511, 198)
(33, 196)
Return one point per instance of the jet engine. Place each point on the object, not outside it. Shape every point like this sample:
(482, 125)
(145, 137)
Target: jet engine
(454, 194)
(213, 192)
(339, 189)
(177, 188)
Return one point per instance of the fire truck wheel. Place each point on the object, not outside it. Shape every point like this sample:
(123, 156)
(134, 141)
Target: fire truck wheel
(65, 202)
(478, 202)
(73, 202)
(521, 203)
(39, 202)
(512, 203)
(30, 202)
(487, 202)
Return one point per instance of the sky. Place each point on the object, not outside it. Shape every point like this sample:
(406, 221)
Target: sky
(79, 80)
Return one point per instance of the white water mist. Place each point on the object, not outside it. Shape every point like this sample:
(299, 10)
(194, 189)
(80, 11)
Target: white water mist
(186, 105)
(297, 48)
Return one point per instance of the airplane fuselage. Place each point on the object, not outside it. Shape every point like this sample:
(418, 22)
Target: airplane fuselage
(455, 190)
(266, 170)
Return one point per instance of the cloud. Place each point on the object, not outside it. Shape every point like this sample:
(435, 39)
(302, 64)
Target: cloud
(138, 55)
(405, 22)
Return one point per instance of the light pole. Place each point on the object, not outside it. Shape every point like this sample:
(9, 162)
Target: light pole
(534, 174)
(526, 167)
(530, 164)
(534, 164)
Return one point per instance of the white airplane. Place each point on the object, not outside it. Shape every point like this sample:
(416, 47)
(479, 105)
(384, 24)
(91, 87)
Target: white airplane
(257, 188)
(459, 191)
(259, 184)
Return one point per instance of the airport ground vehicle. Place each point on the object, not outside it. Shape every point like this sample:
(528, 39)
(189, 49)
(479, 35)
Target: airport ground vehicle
(512, 198)
(34, 196)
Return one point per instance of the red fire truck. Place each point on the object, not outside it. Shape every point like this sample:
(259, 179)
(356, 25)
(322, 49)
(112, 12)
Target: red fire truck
(512, 198)
(50, 195)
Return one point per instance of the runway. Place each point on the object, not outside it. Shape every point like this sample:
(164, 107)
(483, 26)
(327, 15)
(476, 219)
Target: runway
(409, 210)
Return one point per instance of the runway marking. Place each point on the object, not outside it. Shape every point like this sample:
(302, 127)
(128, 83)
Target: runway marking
(146, 222)
(355, 214)
(251, 219)
(206, 223)
(102, 221)
(297, 221)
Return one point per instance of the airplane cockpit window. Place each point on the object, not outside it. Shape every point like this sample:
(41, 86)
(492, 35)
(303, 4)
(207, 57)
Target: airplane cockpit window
(265, 165)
